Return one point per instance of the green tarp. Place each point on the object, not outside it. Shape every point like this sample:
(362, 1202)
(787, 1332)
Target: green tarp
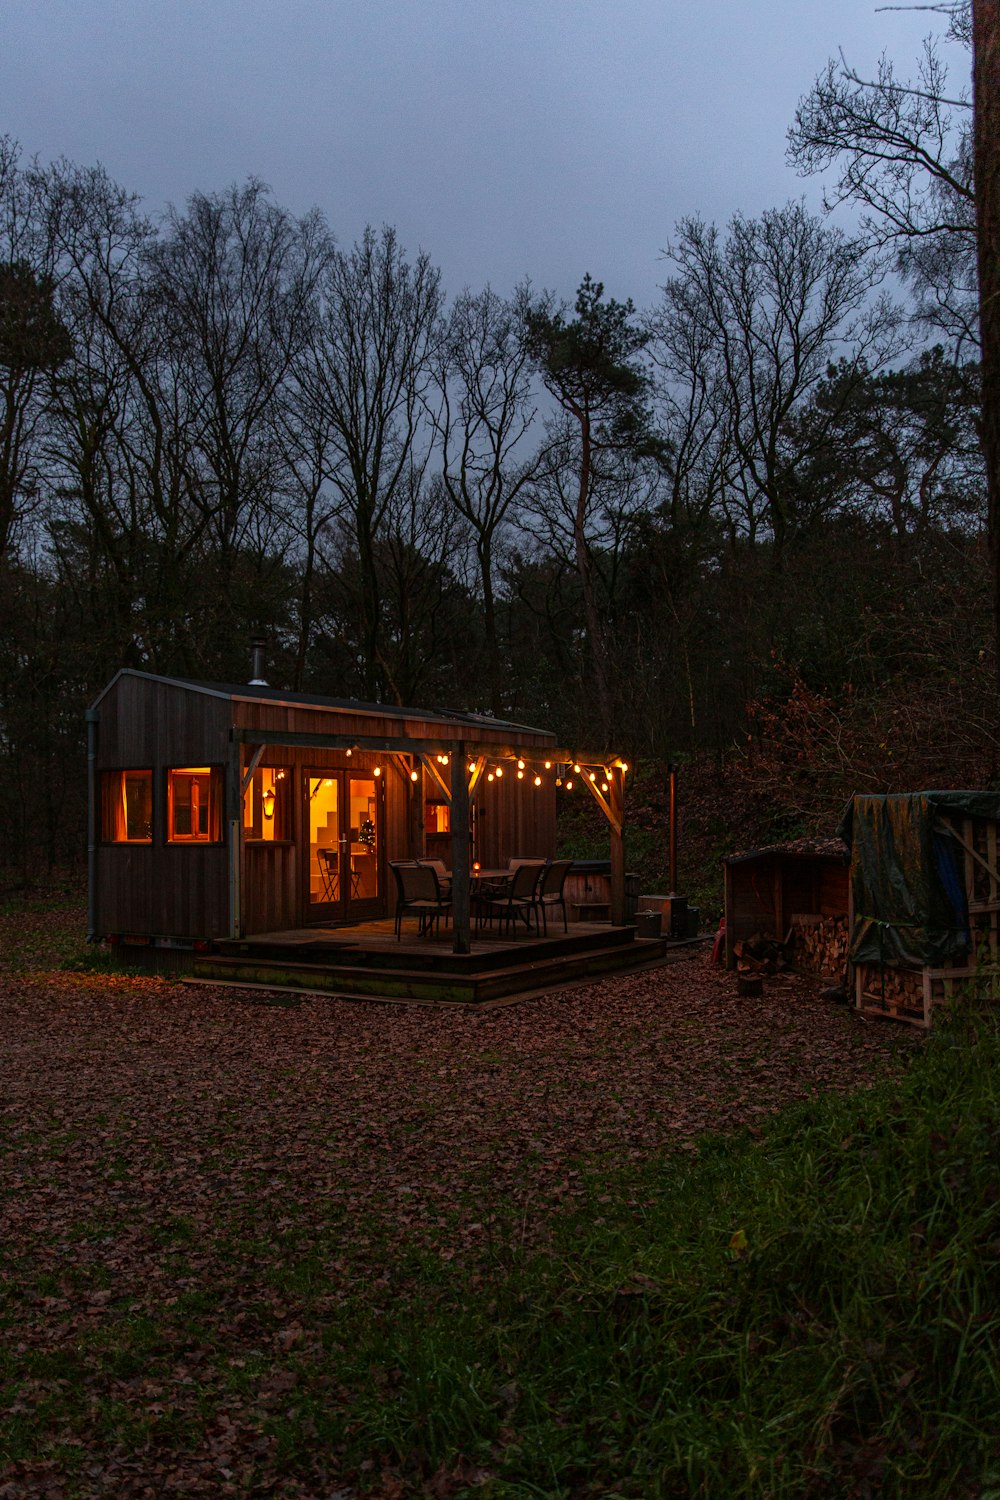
(910, 906)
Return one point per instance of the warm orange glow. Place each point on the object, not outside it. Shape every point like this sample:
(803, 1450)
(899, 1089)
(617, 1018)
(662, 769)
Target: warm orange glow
(538, 781)
(414, 776)
(490, 776)
(569, 786)
(267, 802)
(593, 776)
(604, 786)
(520, 775)
(548, 765)
(577, 769)
(520, 765)
(499, 771)
(377, 771)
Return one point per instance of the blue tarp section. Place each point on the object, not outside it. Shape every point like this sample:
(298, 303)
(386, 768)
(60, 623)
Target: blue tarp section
(910, 905)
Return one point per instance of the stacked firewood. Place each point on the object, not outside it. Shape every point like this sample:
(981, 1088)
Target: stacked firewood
(818, 945)
(896, 989)
(759, 954)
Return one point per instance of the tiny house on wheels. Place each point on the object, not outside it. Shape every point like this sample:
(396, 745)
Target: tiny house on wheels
(218, 811)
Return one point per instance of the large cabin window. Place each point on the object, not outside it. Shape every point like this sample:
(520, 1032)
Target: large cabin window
(267, 805)
(127, 807)
(194, 805)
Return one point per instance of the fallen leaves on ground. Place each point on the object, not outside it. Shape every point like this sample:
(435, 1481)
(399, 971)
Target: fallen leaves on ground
(173, 1146)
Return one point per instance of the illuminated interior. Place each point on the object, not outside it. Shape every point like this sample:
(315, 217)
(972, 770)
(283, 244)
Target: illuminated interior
(127, 807)
(267, 805)
(343, 838)
(194, 814)
(324, 839)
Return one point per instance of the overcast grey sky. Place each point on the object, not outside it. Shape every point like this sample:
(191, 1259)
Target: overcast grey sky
(538, 137)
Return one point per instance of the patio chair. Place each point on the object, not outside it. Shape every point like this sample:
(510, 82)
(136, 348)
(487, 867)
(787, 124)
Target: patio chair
(518, 900)
(418, 890)
(440, 869)
(550, 891)
(329, 870)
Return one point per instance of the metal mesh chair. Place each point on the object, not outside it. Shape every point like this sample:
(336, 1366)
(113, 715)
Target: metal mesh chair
(518, 900)
(550, 891)
(419, 891)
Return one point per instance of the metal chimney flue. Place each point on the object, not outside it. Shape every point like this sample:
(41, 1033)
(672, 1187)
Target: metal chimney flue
(257, 647)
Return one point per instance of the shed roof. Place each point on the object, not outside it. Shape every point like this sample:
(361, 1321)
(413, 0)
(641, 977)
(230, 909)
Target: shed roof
(278, 697)
(796, 848)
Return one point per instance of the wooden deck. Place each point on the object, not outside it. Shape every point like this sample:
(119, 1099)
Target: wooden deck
(368, 961)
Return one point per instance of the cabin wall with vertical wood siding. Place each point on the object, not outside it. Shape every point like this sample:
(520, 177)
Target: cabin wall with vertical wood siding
(160, 889)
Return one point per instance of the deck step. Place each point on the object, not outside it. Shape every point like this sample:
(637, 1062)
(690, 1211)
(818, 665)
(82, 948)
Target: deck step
(477, 987)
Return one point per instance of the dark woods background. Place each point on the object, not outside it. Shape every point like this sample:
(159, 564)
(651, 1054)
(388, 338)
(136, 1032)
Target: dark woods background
(742, 528)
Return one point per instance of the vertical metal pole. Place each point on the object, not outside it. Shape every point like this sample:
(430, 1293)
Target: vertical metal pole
(460, 851)
(673, 829)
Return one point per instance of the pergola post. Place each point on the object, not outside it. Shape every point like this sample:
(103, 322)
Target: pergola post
(616, 800)
(460, 906)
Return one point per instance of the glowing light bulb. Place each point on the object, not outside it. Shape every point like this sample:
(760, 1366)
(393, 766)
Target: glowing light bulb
(548, 765)
(577, 769)
(414, 776)
(520, 765)
(604, 786)
(499, 772)
(593, 776)
(490, 776)
(377, 771)
(569, 786)
(520, 775)
(538, 781)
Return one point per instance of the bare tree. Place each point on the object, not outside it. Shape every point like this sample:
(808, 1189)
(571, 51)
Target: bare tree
(367, 367)
(483, 417)
(768, 308)
(902, 149)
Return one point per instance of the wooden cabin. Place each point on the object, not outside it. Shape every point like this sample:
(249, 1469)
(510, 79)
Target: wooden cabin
(218, 811)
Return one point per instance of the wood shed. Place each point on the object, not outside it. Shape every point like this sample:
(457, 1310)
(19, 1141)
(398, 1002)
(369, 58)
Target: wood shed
(925, 900)
(796, 894)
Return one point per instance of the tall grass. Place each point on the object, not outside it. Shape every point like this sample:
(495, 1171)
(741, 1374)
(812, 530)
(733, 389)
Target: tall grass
(813, 1314)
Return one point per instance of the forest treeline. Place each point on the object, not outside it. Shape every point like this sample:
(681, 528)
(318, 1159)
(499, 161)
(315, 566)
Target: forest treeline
(745, 524)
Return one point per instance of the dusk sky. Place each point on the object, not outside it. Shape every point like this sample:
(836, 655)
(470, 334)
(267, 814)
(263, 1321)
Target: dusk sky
(526, 137)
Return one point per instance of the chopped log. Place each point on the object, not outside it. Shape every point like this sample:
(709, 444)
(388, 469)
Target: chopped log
(750, 986)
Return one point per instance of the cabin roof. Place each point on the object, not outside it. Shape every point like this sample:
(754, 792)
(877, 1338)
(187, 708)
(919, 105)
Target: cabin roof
(278, 697)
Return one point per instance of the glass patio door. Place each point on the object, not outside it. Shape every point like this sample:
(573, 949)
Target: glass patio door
(343, 855)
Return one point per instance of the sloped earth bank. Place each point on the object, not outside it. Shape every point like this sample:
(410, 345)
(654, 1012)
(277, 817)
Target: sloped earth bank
(197, 1189)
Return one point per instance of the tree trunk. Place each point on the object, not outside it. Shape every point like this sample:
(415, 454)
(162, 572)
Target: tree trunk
(986, 128)
(591, 613)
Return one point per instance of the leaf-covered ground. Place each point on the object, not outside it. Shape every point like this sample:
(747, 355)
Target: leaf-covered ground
(199, 1190)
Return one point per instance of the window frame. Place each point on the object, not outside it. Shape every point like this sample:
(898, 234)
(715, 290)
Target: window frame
(107, 805)
(214, 813)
